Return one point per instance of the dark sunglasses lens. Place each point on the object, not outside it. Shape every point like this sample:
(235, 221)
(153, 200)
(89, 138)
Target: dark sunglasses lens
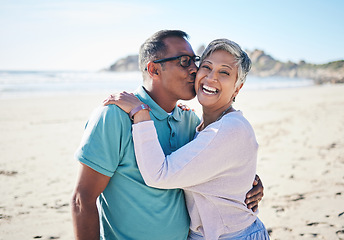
(185, 61)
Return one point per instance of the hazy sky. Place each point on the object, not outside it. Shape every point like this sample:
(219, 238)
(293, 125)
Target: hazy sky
(93, 34)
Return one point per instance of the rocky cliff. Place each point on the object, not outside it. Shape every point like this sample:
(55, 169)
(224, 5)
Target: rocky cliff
(129, 63)
(263, 65)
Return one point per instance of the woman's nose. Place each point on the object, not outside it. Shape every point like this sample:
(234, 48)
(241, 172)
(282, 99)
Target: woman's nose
(212, 76)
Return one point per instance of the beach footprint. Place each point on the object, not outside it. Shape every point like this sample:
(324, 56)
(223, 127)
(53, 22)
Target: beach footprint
(340, 234)
(45, 238)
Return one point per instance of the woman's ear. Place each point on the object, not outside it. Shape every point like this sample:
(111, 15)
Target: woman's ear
(237, 90)
(153, 70)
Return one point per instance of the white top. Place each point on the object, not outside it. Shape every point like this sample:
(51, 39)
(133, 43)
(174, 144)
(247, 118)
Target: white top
(216, 170)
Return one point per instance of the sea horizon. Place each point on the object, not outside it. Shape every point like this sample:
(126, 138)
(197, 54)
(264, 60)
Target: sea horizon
(21, 83)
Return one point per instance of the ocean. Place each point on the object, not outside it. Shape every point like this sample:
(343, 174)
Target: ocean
(15, 84)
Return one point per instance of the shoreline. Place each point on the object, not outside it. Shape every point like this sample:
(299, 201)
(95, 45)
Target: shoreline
(300, 160)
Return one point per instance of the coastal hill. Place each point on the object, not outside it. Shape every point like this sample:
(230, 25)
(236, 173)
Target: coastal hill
(263, 65)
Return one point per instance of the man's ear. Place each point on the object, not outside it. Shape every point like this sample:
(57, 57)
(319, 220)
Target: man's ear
(153, 70)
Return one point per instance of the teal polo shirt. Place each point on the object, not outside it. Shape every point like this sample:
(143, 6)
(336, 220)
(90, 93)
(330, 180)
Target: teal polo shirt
(128, 208)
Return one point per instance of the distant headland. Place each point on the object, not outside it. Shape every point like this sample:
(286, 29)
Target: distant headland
(263, 65)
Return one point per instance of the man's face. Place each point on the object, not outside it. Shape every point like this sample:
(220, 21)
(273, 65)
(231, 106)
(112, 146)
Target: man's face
(178, 82)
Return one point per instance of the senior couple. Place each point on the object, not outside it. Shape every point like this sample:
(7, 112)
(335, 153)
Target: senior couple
(142, 157)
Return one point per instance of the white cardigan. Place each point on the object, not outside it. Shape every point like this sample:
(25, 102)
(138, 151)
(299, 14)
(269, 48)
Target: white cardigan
(216, 170)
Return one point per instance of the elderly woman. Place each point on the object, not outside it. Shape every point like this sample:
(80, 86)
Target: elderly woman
(217, 168)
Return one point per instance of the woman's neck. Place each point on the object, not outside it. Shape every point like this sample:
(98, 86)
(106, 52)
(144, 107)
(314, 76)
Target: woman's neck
(211, 115)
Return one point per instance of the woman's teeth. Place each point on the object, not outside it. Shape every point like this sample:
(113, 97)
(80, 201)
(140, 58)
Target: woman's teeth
(209, 90)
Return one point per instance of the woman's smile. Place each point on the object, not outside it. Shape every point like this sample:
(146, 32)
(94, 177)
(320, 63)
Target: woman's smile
(209, 90)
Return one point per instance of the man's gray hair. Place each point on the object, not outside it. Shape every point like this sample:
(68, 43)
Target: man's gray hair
(154, 47)
(242, 60)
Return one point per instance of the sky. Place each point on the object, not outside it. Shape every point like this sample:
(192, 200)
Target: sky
(92, 34)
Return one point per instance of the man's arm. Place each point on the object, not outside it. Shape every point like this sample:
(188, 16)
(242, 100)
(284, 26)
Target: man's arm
(256, 194)
(89, 186)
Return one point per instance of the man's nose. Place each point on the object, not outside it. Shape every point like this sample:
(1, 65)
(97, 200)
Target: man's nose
(193, 68)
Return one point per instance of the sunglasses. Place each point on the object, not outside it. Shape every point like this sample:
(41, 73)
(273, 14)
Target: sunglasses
(184, 60)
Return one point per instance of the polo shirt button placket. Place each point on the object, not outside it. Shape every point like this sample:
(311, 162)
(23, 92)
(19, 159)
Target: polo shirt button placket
(172, 139)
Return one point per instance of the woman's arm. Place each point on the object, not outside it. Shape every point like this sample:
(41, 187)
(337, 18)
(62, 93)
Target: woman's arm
(203, 159)
(212, 152)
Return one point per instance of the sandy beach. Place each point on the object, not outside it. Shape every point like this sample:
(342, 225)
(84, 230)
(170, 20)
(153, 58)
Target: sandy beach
(301, 161)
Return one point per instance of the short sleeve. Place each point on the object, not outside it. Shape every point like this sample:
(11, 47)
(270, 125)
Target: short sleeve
(100, 145)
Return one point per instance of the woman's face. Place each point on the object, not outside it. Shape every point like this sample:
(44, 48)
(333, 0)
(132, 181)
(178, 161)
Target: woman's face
(215, 80)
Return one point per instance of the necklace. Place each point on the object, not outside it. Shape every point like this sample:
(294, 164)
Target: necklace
(223, 113)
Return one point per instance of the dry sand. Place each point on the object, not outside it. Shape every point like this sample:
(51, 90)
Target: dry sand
(301, 161)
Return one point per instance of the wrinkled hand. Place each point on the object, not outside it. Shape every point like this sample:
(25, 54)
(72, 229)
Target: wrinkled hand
(255, 195)
(126, 101)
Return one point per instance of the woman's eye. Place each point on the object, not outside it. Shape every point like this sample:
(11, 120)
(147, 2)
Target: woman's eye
(223, 72)
(206, 67)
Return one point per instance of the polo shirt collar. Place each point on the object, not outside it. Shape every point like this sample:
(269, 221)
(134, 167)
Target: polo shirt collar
(156, 110)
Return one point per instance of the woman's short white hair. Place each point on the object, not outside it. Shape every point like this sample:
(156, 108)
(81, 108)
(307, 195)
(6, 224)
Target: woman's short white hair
(242, 60)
